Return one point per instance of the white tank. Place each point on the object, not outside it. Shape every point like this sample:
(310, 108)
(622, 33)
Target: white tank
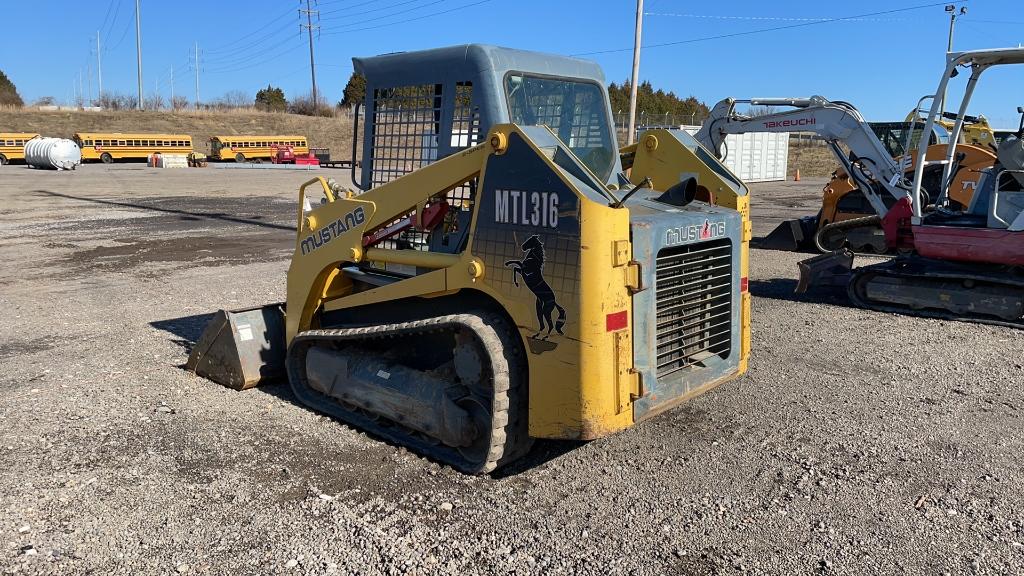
(52, 153)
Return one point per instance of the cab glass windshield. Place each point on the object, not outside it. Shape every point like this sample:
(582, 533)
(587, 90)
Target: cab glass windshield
(574, 110)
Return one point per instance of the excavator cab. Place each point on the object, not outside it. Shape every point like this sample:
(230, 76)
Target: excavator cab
(499, 277)
(962, 264)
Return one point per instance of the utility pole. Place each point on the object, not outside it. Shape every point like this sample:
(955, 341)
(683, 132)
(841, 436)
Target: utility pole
(309, 30)
(99, 66)
(81, 92)
(138, 48)
(630, 136)
(88, 78)
(172, 88)
(197, 75)
(953, 13)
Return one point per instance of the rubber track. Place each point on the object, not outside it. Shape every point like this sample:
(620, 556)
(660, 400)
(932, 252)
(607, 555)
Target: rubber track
(850, 224)
(861, 276)
(508, 437)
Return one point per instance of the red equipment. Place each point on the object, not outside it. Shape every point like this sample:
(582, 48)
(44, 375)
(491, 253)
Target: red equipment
(955, 262)
(286, 155)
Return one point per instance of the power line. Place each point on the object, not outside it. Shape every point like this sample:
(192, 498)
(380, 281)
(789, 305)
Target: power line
(258, 56)
(407, 20)
(107, 15)
(348, 15)
(774, 18)
(262, 62)
(234, 57)
(347, 8)
(1010, 22)
(772, 29)
(227, 47)
(124, 34)
(400, 12)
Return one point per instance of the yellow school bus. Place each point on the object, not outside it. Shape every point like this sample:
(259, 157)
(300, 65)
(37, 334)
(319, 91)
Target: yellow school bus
(248, 147)
(110, 146)
(12, 145)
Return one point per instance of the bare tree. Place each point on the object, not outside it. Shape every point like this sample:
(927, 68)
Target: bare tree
(233, 99)
(153, 102)
(755, 111)
(304, 105)
(179, 103)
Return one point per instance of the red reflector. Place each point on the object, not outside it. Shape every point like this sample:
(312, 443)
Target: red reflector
(744, 284)
(616, 321)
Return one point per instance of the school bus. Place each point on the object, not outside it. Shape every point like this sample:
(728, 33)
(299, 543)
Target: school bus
(248, 147)
(110, 146)
(12, 145)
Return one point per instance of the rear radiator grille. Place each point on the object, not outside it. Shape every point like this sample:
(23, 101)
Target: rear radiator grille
(694, 304)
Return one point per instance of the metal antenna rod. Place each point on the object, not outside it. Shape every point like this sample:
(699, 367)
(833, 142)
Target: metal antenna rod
(138, 48)
(630, 136)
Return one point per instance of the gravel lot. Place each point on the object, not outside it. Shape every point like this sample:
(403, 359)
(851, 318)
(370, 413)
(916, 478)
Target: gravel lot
(858, 443)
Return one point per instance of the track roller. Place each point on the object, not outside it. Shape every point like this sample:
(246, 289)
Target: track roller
(940, 289)
(452, 387)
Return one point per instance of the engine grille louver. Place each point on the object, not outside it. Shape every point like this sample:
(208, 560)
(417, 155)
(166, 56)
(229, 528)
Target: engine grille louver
(694, 304)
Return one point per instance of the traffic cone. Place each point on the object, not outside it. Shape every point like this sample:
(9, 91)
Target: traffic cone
(796, 178)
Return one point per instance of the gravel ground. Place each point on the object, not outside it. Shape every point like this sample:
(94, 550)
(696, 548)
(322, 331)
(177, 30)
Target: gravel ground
(858, 443)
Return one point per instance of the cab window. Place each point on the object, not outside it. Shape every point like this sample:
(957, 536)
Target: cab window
(575, 110)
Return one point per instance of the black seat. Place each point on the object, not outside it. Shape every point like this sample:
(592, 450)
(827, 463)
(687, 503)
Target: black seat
(958, 219)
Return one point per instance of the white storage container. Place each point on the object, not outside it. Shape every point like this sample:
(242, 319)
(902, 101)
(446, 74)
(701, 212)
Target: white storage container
(52, 153)
(755, 156)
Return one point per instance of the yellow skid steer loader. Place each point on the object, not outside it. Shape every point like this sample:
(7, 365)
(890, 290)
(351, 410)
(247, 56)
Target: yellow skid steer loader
(505, 273)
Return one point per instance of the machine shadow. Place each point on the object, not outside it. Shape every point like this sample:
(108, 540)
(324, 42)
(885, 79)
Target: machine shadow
(186, 330)
(784, 289)
(760, 243)
(542, 452)
(185, 214)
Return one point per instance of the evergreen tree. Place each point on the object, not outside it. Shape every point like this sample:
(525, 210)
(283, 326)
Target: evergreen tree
(8, 93)
(355, 90)
(271, 99)
(653, 104)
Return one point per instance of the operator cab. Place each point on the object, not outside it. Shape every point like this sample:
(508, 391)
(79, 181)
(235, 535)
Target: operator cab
(426, 105)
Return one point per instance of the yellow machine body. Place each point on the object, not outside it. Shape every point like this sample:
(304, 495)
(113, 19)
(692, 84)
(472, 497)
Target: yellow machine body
(584, 387)
(501, 277)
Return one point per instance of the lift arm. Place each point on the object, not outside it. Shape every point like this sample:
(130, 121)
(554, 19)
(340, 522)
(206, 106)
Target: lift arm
(869, 163)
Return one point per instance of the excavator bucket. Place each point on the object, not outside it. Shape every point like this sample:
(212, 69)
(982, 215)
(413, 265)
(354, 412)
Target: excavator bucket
(241, 348)
(791, 235)
(827, 270)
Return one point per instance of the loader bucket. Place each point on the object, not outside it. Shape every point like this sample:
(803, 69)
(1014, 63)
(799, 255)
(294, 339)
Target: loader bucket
(241, 348)
(791, 235)
(827, 270)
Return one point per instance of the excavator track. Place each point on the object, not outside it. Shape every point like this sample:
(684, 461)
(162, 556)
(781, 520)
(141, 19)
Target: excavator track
(474, 363)
(836, 235)
(941, 289)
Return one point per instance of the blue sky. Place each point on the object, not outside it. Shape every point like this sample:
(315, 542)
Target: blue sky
(881, 63)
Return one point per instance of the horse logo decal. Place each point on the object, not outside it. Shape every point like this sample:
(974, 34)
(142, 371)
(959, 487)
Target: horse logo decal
(531, 269)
